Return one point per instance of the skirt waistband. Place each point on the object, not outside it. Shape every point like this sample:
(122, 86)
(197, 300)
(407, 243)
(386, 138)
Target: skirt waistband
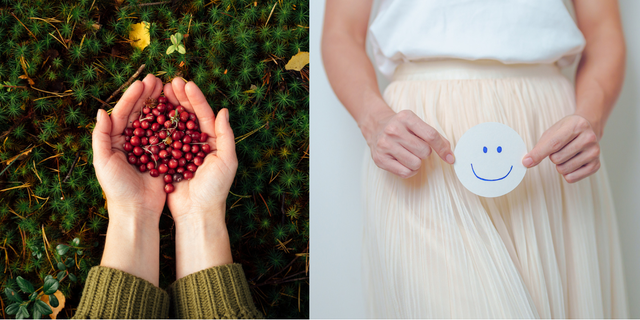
(456, 69)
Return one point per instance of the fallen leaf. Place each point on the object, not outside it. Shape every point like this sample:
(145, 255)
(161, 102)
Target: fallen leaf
(298, 61)
(139, 34)
(61, 300)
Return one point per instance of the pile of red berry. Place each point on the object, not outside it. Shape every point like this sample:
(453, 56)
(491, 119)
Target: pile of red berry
(166, 139)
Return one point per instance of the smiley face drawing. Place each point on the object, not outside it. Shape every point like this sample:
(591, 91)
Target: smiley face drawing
(489, 159)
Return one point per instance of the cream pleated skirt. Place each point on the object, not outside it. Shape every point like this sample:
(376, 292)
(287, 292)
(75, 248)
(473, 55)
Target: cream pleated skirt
(433, 249)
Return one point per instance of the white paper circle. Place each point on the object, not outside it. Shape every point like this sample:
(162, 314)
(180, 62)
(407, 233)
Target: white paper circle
(489, 159)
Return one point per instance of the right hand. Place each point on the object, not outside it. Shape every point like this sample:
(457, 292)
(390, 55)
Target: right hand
(400, 141)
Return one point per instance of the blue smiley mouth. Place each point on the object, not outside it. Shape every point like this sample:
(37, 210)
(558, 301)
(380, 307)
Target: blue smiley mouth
(483, 179)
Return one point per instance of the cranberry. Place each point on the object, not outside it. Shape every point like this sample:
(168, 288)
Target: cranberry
(188, 175)
(144, 141)
(154, 173)
(201, 154)
(142, 168)
(138, 151)
(188, 156)
(171, 172)
(168, 178)
(155, 126)
(154, 140)
(132, 159)
(168, 123)
(161, 118)
(136, 124)
(198, 161)
(138, 132)
(192, 167)
(204, 137)
(162, 134)
(181, 126)
(146, 110)
(176, 135)
(177, 177)
(186, 148)
(128, 132)
(173, 163)
(168, 188)
(155, 112)
(180, 169)
(155, 157)
(151, 165)
(187, 139)
(177, 145)
(135, 141)
(180, 109)
(206, 148)
(163, 168)
(172, 113)
(165, 161)
(163, 154)
(195, 148)
(127, 138)
(144, 158)
(144, 124)
(127, 147)
(192, 117)
(182, 162)
(177, 154)
(184, 117)
(148, 133)
(162, 100)
(154, 149)
(161, 107)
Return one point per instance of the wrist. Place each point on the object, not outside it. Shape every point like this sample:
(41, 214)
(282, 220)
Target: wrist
(373, 113)
(596, 123)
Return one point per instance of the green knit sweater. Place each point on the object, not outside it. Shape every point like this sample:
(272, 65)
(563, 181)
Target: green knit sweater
(218, 292)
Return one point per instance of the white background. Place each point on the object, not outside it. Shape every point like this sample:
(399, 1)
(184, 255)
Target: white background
(337, 149)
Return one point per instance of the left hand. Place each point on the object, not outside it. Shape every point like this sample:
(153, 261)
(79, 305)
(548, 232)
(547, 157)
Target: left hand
(572, 145)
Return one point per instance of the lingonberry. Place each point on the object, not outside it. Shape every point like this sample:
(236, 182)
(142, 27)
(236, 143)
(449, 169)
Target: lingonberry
(180, 109)
(204, 137)
(191, 124)
(195, 148)
(184, 117)
(163, 154)
(154, 149)
(177, 145)
(146, 110)
(161, 118)
(155, 112)
(144, 141)
(201, 155)
(162, 134)
(161, 107)
(177, 154)
(181, 126)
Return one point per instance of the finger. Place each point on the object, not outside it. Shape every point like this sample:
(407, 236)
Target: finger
(584, 140)
(550, 142)
(178, 89)
(585, 171)
(433, 138)
(415, 145)
(201, 108)
(149, 87)
(225, 142)
(157, 90)
(168, 92)
(392, 165)
(122, 110)
(101, 139)
(406, 158)
(578, 161)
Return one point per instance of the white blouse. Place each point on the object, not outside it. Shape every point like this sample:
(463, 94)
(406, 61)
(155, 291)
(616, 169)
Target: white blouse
(510, 31)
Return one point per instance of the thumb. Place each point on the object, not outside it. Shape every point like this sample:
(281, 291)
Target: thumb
(101, 137)
(225, 142)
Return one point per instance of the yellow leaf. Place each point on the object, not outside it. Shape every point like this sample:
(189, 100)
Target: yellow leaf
(298, 61)
(139, 34)
(61, 300)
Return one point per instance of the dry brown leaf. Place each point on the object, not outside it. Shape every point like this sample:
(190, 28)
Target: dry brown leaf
(61, 301)
(298, 61)
(139, 34)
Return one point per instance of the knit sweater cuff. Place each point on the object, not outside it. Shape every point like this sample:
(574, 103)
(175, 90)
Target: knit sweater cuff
(214, 293)
(109, 294)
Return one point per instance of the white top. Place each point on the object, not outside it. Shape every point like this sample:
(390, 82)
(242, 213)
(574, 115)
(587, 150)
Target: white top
(510, 31)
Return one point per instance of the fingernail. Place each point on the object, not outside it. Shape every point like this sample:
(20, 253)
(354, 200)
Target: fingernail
(227, 115)
(527, 162)
(98, 116)
(450, 159)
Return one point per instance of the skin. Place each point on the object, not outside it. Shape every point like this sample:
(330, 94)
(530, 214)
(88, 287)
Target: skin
(135, 200)
(400, 141)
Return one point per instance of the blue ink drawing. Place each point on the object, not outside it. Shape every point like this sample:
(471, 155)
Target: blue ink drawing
(483, 179)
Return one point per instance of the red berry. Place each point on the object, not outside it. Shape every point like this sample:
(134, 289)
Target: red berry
(162, 134)
(161, 107)
(128, 132)
(146, 110)
(192, 117)
(177, 145)
(173, 163)
(132, 159)
(155, 157)
(138, 132)
(154, 149)
(144, 158)
(154, 140)
(154, 173)
(144, 124)
(180, 169)
(198, 161)
(181, 126)
(167, 124)
(165, 161)
(138, 151)
(171, 172)
(148, 133)
(201, 154)
(155, 112)
(206, 148)
(182, 162)
(204, 137)
(163, 168)
(176, 135)
(168, 188)
(155, 126)
(142, 168)
(163, 154)
(188, 175)
(195, 148)
(135, 141)
(136, 124)
(192, 167)
(168, 178)
(172, 113)
(144, 141)
(191, 124)
(162, 99)
(177, 154)
(177, 177)
(127, 147)
(188, 156)
(187, 139)
(180, 109)
(186, 148)
(161, 119)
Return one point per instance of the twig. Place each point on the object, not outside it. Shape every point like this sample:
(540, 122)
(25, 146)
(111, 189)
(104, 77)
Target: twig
(103, 103)
(31, 33)
(7, 167)
(279, 282)
(126, 84)
(73, 165)
(14, 87)
(148, 4)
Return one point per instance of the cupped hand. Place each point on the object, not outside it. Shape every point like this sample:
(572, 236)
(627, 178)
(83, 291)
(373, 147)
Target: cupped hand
(204, 196)
(572, 145)
(400, 141)
(128, 191)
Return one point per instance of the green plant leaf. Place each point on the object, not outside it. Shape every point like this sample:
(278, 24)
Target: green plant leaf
(80, 252)
(24, 285)
(60, 275)
(174, 40)
(72, 277)
(62, 249)
(22, 313)
(12, 295)
(61, 266)
(36, 314)
(43, 307)
(69, 262)
(53, 301)
(171, 49)
(33, 296)
(75, 242)
(181, 49)
(179, 37)
(48, 277)
(12, 308)
(50, 286)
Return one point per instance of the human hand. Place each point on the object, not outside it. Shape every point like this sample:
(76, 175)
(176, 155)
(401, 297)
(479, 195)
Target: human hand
(400, 141)
(134, 200)
(572, 145)
(127, 190)
(198, 205)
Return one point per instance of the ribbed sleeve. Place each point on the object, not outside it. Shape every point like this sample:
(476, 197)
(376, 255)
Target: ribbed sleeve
(112, 294)
(214, 293)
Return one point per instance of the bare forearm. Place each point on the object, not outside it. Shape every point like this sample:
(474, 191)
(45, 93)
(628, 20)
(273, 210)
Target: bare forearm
(133, 246)
(201, 244)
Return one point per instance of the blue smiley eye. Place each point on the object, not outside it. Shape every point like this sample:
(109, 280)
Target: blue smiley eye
(499, 149)
(484, 149)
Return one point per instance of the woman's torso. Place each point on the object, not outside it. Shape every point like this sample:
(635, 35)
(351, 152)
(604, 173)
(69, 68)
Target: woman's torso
(509, 31)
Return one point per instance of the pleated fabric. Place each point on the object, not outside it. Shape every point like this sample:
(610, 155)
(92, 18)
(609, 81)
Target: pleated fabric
(433, 249)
